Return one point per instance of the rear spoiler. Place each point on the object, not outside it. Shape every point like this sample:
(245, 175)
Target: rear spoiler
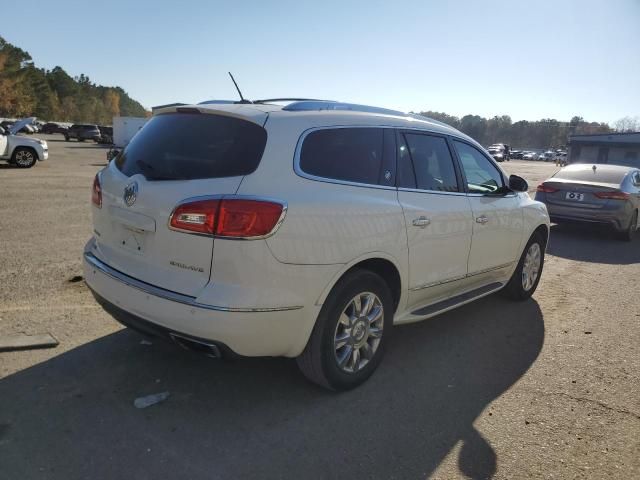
(240, 111)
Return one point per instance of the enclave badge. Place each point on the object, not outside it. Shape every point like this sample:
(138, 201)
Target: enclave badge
(130, 193)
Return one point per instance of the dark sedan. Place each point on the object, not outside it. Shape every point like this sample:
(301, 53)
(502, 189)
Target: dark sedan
(605, 194)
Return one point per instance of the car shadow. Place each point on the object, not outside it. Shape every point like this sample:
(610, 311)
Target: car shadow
(73, 415)
(594, 244)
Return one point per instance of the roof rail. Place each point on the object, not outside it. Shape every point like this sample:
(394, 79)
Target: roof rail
(307, 105)
(213, 102)
(271, 100)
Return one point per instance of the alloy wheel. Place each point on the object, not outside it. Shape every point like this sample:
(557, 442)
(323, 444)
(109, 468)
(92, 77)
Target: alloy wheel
(24, 158)
(358, 332)
(531, 267)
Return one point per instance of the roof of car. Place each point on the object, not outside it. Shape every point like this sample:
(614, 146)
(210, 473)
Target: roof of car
(325, 112)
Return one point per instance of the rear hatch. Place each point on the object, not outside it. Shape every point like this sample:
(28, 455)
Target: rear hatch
(177, 155)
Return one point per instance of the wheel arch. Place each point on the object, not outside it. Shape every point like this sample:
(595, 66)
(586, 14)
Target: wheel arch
(386, 266)
(542, 229)
(24, 147)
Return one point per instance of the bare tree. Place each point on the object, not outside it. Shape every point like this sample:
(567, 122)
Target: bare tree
(628, 124)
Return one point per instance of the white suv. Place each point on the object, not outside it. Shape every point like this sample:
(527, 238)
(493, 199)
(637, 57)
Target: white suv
(305, 230)
(21, 151)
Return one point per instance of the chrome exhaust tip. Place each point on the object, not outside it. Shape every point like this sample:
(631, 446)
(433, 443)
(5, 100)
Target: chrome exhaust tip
(209, 349)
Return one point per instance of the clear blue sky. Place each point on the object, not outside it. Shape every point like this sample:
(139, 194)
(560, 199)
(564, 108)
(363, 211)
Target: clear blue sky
(545, 58)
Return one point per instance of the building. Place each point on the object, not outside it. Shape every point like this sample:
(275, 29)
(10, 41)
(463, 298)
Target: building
(612, 148)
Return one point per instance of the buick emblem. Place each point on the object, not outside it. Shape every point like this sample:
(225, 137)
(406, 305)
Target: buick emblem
(130, 193)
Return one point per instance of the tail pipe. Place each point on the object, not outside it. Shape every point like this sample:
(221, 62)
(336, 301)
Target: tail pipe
(209, 349)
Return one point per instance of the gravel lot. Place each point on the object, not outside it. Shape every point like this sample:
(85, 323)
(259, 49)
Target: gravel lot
(546, 388)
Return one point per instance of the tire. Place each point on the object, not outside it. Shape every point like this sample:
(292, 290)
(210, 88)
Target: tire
(24, 157)
(66, 138)
(630, 233)
(338, 322)
(518, 288)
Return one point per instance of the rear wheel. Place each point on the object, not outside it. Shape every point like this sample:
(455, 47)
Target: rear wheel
(630, 233)
(526, 277)
(348, 340)
(66, 138)
(24, 157)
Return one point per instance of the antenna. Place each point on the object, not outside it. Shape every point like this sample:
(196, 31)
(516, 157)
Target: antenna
(242, 99)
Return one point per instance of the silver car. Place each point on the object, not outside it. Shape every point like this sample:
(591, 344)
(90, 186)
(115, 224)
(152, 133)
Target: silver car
(605, 194)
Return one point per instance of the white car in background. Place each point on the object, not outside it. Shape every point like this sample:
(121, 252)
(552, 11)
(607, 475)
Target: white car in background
(21, 151)
(305, 231)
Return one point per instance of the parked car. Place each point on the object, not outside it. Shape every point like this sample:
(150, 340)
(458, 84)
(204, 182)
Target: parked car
(382, 218)
(596, 194)
(529, 156)
(19, 150)
(547, 156)
(500, 152)
(52, 127)
(82, 133)
(517, 154)
(106, 135)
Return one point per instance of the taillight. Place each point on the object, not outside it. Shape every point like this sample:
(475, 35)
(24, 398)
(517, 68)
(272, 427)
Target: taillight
(613, 195)
(247, 218)
(546, 188)
(233, 218)
(96, 192)
(198, 217)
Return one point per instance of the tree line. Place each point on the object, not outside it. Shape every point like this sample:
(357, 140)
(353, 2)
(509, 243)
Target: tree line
(543, 133)
(53, 95)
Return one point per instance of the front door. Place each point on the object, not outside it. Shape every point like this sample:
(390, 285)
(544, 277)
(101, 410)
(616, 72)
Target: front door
(497, 216)
(437, 216)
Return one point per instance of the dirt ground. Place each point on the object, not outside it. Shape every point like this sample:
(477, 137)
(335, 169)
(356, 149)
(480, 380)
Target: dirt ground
(548, 388)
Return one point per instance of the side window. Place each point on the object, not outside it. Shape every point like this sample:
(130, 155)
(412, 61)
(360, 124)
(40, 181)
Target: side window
(349, 154)
(636, 179)
(431, 162)
(482, 176)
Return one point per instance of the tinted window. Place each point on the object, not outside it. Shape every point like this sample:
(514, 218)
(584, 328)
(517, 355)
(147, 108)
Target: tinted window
(184, 146)
(350, 154)
(482, 175)
(432, 163)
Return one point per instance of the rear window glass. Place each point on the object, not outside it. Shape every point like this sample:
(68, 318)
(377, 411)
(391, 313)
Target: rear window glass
(187, 146)
(601, 175)
(349, 154)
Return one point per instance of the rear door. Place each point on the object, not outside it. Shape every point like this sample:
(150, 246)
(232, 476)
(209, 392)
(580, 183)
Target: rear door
(174, 157)
(437, 215)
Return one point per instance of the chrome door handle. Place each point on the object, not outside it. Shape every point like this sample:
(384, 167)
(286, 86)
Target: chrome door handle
(421, 222)
(482, 219)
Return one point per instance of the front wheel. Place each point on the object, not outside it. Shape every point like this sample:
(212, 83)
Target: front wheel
(348, 339)
(526, 277)
(24, 157)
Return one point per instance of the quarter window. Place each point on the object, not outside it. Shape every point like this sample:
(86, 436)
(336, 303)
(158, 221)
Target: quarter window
(348, 154)
(426, 163)
(482, 176)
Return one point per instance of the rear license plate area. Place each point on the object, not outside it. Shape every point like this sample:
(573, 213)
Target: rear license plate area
(575, 196)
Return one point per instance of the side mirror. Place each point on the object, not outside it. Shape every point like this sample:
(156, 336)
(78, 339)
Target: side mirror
(518, 184)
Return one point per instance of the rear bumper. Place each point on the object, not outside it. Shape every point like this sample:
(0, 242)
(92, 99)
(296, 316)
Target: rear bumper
(216, 349)
(243, 331)
(616, 215)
